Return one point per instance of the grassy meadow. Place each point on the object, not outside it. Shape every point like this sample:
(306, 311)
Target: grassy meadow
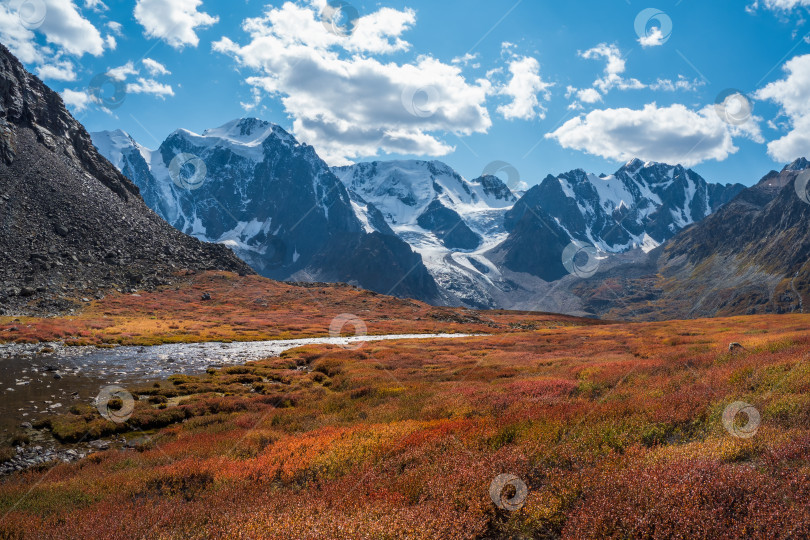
(615, 431)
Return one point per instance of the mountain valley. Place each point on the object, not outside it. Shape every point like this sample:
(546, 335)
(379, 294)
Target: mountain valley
(326, 331)
(427, 232)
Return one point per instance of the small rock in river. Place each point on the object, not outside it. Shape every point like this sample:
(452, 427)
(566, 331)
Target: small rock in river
(100, 444)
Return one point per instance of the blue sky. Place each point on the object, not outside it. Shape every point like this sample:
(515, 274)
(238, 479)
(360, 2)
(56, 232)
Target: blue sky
(546, 86)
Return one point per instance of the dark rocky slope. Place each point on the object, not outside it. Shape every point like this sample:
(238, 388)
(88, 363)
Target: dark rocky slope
(71, 225)
(751, 256)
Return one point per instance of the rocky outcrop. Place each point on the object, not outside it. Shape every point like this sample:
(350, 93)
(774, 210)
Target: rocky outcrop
(71, 225)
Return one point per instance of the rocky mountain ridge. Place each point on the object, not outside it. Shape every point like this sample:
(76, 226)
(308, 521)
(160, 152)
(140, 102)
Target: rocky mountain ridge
(251, 186)
(71, 225)
(751, 256)
(455, 241)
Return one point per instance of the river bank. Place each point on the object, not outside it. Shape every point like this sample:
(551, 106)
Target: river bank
(48, 379)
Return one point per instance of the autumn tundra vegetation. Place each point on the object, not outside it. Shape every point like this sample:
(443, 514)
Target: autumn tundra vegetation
(222, 306)
(605, 430)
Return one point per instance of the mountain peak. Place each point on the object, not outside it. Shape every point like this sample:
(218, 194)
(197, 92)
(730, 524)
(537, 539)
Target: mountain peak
(635, 165)
(799, 164)
(242, 127)
(640, 206)
(248, 131)
(496, 187)
(409, 164)
(116, 133)
(244, 136)
(114, 144)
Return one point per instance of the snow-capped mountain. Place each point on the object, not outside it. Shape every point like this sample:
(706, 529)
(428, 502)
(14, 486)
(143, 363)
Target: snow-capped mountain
(640, 206)
(250, 185)
(752, 256)
(480, 242)
(414, 228)
(450, 221)
(405, 191)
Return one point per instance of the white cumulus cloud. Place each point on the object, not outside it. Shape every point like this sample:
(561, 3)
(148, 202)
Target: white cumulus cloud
(467, 60)
(60, 71)
(96, 5)
(613, 77)
(588, 95)
(154, 67)
(654, 39)
(380, 32)
(78, 100)
(173, 21)
(792, 94)
(673, 134)
(18, 38)
(65, 30)
(150, 86)
(682, 83)
(65, 27)
(525, 89)
(121, 73)
(115, 28)
(346, 102)
(781, 5)
(615, 66)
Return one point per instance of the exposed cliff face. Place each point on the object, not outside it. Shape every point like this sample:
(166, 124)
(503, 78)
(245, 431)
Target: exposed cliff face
(70, 223)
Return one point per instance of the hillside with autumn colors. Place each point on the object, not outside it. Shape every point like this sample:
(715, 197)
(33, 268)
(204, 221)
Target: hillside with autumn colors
(223, 306)
(614, 431)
